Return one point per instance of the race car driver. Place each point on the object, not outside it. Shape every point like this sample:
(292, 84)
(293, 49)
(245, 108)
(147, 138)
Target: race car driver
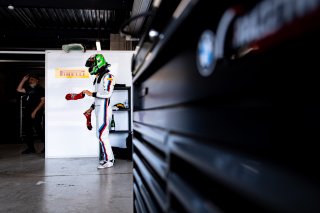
(104, 84)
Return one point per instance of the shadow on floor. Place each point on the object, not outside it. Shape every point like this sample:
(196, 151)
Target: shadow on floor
(32, 183)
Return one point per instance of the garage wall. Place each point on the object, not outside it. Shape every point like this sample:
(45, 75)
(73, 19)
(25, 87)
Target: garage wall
(66, 131)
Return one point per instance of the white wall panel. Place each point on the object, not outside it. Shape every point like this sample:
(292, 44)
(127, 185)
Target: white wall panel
(66, 131)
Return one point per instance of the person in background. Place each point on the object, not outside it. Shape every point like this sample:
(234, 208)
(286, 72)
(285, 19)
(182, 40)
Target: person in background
(33, 110)
(104, 84)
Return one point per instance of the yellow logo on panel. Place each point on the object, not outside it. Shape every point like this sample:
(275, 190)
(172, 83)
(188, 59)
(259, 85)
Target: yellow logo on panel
(72, 73)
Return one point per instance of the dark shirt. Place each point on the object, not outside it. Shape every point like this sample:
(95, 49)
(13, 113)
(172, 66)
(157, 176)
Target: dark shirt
(33, 97)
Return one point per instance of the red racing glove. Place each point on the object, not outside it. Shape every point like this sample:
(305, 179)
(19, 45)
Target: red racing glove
(74, 96)
(88, 117)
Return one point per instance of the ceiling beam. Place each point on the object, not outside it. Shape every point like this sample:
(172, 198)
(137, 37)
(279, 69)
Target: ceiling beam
(23, 52)
(47, 45)
(56, 34)
(70, 4)
(51, 39)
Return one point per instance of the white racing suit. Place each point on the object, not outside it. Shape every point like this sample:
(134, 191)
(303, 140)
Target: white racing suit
(103, 90)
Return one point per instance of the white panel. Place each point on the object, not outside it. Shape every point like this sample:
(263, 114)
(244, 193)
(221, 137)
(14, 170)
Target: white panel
(65, 124)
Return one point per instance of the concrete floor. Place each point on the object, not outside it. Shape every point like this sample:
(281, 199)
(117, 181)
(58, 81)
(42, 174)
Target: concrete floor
(31, 183)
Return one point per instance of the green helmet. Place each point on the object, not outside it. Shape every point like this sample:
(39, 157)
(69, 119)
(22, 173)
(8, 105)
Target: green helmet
(95, 63)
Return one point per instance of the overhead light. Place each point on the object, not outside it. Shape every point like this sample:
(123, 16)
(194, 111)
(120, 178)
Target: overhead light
(98, 45)
(21, 52)
(10, 7)
(153, 34)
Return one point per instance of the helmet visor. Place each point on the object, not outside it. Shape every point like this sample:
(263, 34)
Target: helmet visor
(90, 62)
